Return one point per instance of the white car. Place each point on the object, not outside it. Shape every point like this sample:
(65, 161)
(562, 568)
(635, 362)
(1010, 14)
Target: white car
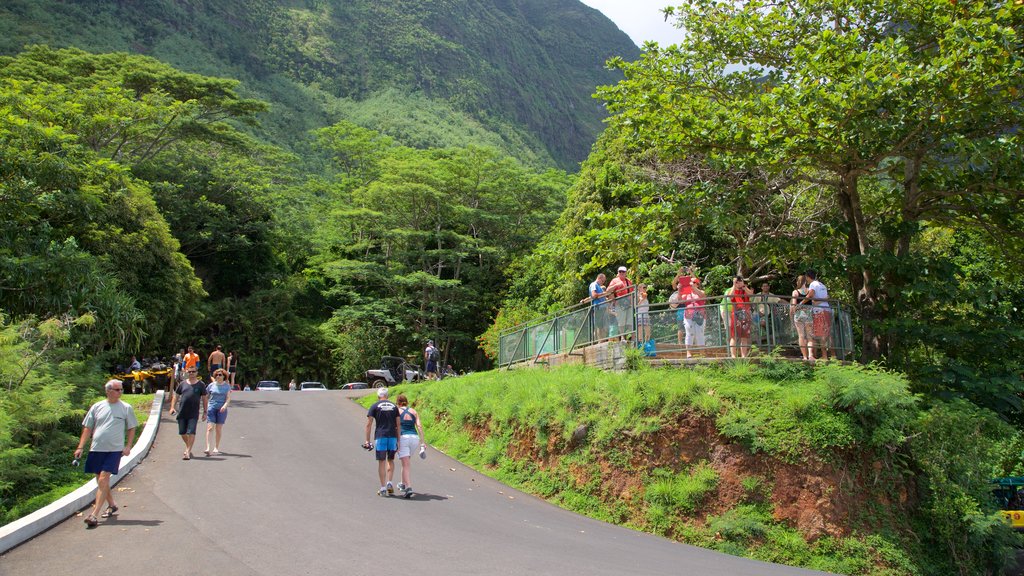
(312, 386)
(268, 385)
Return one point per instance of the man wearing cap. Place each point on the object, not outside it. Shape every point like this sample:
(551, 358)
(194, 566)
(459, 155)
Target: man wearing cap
(621, 306)
(106, 422)
(385, 415)
(430, 358)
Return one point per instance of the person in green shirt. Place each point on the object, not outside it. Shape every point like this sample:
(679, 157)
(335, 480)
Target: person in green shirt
(106, 422)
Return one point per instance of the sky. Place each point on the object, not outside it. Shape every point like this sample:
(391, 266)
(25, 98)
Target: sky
(642, 20)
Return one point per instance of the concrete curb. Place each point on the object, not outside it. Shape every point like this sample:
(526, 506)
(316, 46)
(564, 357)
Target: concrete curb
(43, 519)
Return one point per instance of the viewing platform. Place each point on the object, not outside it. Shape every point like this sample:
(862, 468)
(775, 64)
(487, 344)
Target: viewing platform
(599, 335)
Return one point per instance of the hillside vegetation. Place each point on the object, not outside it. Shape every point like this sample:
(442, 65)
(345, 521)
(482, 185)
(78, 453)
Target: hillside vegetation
(515, 74)
(838, 468)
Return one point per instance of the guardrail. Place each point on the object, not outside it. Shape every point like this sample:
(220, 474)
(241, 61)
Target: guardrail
(713, 326)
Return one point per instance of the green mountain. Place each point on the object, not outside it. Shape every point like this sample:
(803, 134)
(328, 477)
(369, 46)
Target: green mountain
(514, 74)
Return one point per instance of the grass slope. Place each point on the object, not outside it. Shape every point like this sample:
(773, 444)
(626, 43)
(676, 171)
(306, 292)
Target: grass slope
(837, 469)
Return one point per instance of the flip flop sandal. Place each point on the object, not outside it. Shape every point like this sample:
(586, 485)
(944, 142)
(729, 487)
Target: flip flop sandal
(207, 452)
(91, 521)
(110, 511)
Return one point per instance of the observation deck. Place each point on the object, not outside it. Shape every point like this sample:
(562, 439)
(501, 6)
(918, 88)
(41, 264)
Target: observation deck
(599, 334)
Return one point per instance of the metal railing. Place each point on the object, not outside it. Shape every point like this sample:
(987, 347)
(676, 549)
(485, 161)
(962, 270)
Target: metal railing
(711, 327)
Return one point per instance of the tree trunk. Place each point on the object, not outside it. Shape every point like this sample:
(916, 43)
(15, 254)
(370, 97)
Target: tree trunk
(861, 280)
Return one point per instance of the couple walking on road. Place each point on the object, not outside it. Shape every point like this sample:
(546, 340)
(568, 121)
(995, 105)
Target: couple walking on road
(398, 431)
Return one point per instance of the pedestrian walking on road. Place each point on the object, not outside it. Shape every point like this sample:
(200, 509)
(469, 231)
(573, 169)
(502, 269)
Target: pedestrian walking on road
(232, 368)
(409, 442)
(107, 422)
(186, 402)
(219, 392)
(217, 360)
(384, 414)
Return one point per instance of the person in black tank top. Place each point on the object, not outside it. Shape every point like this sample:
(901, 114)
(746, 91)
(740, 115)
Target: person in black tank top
(410, 440)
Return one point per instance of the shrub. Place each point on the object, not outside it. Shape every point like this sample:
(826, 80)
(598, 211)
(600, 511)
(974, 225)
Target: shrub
(681, 492)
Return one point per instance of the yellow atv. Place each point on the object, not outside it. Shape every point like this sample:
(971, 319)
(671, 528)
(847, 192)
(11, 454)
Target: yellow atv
(157, 376)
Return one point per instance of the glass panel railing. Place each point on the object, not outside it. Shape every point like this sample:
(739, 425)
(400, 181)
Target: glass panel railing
(714, 327)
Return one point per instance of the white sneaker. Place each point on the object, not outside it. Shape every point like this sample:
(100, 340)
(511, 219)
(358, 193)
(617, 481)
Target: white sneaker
(382, 492)
(408, 491)
(390, 488)
(401, 487)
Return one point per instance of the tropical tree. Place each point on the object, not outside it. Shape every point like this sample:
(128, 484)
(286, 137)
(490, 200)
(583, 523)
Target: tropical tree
(922, 99)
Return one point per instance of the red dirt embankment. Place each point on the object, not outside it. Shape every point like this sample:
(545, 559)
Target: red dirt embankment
(817, 497)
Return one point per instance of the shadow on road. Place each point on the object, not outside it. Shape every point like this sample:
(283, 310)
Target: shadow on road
(220, 457)
(114, 521)
(425, 497)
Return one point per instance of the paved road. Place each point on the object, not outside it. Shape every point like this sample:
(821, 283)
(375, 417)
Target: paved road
(294, 495)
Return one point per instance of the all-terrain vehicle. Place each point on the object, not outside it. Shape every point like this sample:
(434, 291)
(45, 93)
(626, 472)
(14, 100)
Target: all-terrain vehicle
(1009, 494)
(155, 375)
(393, 370)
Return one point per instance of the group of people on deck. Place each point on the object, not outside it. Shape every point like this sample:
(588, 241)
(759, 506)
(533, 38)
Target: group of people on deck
(742, 312)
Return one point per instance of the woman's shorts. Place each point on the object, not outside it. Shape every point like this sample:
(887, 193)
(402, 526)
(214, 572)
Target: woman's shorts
(215, 416)
(98, 462)
(385, 448)
(643, 319)
(408, 445)
(822, 323)
(187, 426)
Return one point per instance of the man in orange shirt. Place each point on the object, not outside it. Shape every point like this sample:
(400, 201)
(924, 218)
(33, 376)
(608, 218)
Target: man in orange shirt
(191, 360)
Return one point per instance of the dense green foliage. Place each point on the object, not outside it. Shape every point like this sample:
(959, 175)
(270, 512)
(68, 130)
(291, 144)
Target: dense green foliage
(513, 75)
(145, 207)
(846, 417)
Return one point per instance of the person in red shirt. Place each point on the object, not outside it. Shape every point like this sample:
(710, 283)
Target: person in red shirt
(740, 320)
(621, 308)
(685, 278)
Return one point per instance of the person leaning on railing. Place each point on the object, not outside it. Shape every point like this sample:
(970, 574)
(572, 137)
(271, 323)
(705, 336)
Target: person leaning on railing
(821, 329)
(802, 316)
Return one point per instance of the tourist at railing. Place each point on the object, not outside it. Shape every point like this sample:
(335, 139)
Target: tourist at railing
(643, 315)
(598, 308)
(802, 316)
(620, 313)
(694, 317)
(684, 278)
(817, 296)
(736, 315)
(764, 317)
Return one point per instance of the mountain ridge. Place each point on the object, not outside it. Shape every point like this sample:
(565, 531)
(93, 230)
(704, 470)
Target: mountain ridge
(524, 69)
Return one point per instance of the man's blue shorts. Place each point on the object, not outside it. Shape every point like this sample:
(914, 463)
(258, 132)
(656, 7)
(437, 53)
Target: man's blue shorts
(385, 448)
(187, 426)
(215, 416)
(98, 462)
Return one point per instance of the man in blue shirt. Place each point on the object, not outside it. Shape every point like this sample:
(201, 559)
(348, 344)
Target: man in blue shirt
(598, 309)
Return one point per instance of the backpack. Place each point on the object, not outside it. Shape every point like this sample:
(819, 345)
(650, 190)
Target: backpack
(433, 354)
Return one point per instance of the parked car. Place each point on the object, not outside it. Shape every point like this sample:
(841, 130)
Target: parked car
(268, 385)
(312, 386)
(355, 386)
(393, 370)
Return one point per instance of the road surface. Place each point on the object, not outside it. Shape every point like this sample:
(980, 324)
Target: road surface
(294, 494)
